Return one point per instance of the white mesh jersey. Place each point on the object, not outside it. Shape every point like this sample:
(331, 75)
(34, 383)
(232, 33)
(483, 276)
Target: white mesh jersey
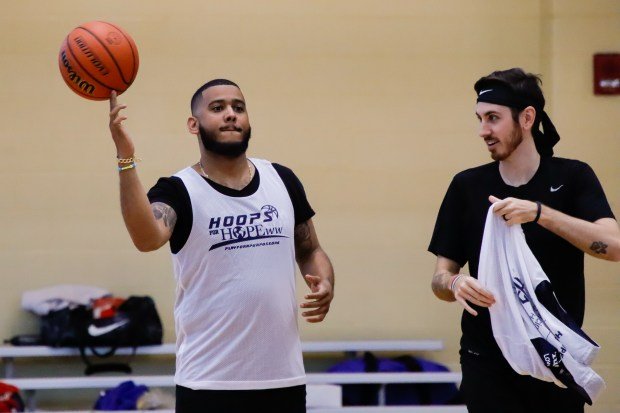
(236, 310)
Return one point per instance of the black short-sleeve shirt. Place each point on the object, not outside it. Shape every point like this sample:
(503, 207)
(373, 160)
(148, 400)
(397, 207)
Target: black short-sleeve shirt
(172, 191)
(566, 185)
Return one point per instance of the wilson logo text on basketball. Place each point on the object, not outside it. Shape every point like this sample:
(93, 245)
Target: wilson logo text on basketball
(74, 77)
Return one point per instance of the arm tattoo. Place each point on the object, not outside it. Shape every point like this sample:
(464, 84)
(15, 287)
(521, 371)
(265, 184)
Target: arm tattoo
(303, 242)
(165, 212)
(599, 247)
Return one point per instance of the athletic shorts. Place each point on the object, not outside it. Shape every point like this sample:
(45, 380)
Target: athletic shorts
(281, 400)
(490, 385)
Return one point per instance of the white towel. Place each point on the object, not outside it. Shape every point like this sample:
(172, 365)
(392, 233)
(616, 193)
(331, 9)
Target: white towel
(536, 342)
(57, 297)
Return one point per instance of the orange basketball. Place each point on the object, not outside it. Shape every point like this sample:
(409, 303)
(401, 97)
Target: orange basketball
(96, 58)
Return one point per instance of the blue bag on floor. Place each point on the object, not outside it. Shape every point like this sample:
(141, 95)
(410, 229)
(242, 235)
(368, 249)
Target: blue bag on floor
(395, 394)
(122, 397)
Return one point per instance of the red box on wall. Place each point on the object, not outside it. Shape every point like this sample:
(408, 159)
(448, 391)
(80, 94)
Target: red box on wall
(607, 74)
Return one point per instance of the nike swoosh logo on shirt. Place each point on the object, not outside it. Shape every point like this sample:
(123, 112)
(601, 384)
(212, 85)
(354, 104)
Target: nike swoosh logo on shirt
(552, 189)
(95, 331)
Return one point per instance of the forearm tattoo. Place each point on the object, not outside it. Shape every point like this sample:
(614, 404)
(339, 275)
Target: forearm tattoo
(599, 247)
(164, 212)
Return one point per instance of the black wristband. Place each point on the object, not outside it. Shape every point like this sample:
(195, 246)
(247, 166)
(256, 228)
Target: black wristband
(538, 211)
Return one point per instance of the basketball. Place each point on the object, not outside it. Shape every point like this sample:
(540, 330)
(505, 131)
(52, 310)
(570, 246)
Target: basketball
(97, 58)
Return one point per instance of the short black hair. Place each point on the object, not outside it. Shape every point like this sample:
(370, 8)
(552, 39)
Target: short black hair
(197, 97)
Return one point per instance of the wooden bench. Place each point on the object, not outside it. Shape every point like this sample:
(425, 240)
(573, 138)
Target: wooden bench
(30, 385)
(104, 382)
(8, 354)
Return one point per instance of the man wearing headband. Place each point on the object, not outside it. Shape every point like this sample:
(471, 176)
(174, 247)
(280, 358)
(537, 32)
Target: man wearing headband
(563, 212)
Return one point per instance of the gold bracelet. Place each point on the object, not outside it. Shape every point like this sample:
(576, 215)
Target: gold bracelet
(131, 159)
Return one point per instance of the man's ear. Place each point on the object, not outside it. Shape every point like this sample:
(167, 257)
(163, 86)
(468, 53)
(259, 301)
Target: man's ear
(527, 117)
(192, 125)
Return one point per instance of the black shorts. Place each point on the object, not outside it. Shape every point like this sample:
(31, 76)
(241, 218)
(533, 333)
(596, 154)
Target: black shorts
(281, 400)
(490, 385)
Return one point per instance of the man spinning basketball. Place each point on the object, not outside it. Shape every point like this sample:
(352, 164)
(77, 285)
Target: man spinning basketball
(235, 226)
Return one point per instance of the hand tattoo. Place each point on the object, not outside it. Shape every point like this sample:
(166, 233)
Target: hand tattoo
(599, 247)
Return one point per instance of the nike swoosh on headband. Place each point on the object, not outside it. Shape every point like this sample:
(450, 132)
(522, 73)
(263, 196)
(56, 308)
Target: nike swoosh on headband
(95, 331)
(484, 91)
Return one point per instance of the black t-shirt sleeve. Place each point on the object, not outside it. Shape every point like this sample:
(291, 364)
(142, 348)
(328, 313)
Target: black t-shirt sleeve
(171, 191)
(303, 210)
(448, 238)
(590, 202)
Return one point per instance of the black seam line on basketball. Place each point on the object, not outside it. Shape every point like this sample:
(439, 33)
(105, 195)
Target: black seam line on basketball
(69, 82)
(83, 68)
(131, 46)
(109, 53)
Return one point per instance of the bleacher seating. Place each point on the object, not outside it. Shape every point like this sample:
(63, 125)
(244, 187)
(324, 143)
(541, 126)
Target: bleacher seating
(321, 386)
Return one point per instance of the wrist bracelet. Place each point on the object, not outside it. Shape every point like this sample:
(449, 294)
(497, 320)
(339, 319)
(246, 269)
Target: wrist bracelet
(131, 159)
(538, 211)
(124, 168)
(454, 280)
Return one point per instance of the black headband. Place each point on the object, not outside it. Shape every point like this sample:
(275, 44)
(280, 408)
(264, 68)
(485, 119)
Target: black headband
(501, 94)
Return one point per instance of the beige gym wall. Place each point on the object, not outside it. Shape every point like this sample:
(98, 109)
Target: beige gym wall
(370, 102)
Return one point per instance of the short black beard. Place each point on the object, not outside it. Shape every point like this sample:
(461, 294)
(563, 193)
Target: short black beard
(227, 149)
